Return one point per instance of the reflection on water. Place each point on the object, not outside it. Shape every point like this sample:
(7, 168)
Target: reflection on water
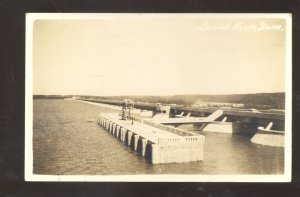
(66, 143)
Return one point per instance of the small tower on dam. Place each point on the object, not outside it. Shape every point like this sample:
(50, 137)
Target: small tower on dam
(127, 106)
(162, 111)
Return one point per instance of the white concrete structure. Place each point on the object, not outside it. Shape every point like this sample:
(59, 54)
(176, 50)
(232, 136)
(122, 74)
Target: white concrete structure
(268, 137)
(159, 143)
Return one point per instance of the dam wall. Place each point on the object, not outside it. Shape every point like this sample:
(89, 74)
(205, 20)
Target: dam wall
(158, 144)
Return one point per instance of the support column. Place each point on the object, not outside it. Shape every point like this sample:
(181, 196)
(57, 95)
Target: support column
(129, 135)
(114, 129)
(123, 133)
(113, 125)
(144, 144)
(110, 127)
(118, 127)
(103, 122)
(106, 124)
(118, 132)
(136, 140)
(155, 155)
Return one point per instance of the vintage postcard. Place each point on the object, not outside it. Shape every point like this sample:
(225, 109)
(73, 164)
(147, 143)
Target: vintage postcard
(158, 97)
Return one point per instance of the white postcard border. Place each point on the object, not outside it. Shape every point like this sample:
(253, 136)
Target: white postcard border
(29, 176)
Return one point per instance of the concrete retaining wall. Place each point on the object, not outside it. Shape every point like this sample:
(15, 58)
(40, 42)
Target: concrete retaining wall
(185, 149)
(179, 152)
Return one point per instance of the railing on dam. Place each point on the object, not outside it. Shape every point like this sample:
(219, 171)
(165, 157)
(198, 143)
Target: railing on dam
(177, 131)
(181, 140)
(184, 137)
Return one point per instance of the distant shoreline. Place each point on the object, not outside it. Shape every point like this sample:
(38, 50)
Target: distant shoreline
(257, 101)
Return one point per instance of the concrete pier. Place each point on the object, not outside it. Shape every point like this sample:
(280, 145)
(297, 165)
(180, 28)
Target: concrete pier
(114, 129)
(135, 144)
(118, 131)
(268, 137)
(123, 132)
(144, 145)
(219, 127)
(129, 136)
(156, 142)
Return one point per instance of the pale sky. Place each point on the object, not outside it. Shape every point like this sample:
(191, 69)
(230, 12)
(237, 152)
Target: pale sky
(158, 56)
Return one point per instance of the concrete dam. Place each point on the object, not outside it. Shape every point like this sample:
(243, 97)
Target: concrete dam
(163, 137)
(158, 143)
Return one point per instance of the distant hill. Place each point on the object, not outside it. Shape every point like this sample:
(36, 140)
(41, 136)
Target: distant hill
(258, 101)
(50, 97)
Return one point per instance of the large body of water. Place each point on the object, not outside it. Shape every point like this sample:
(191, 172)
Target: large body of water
(65, 143)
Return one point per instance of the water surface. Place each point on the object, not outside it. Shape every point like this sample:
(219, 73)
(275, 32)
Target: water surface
(64, 142)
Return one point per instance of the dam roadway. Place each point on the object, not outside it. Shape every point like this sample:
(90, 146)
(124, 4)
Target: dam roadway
(246, 115)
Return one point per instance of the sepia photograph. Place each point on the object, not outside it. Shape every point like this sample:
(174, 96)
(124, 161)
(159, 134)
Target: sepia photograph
(153, 97)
